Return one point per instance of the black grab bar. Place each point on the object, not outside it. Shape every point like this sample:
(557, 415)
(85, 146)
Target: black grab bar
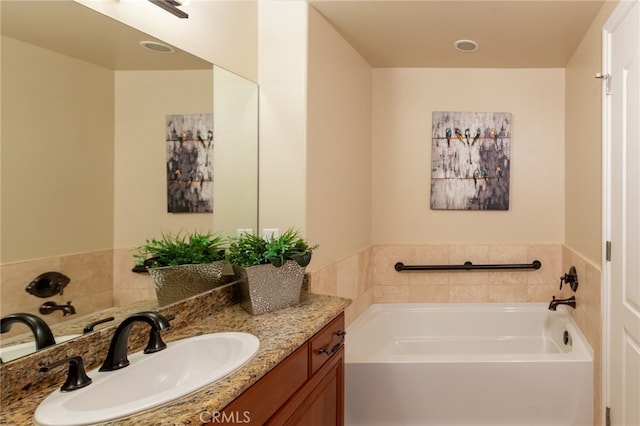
(468, 266)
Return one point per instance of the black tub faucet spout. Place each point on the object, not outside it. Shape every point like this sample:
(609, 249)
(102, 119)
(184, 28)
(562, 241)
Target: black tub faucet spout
(48, 307)
(555, 302)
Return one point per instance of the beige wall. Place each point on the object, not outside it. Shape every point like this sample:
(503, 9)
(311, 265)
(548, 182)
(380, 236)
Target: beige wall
(235, 188)
(583, 144)
(282, 80)
(338, 144)
(50, 115)
(403, 101)
(583, 201)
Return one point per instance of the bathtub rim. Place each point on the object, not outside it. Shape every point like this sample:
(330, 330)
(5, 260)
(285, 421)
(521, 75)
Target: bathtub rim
(582, 351)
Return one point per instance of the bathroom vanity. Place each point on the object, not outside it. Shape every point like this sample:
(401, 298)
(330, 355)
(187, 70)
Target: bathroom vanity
(307, 388)
(296, 377)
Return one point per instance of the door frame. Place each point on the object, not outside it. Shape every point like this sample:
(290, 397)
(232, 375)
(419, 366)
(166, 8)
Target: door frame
(616, 17)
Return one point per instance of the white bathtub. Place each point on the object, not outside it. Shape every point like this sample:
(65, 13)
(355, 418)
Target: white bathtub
(467, 365)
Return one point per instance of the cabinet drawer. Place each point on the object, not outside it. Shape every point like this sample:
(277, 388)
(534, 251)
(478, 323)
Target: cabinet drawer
(326, 343)
(268, 394)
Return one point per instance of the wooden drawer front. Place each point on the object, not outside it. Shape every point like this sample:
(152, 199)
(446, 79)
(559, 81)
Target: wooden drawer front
(268, 394)
(326, 343)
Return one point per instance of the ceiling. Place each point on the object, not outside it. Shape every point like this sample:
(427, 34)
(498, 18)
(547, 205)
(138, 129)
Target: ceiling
(421, 33)
(387, 33)
(75, 30)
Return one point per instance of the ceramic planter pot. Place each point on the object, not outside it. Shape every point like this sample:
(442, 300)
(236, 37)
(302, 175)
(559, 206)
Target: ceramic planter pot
(266, 288)
(175, 283)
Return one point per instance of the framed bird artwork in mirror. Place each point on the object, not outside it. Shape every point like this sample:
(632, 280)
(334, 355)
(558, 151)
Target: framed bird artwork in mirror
(189, 140)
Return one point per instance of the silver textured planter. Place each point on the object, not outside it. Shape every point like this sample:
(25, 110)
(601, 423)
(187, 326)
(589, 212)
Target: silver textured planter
(266, 288)
(175, 283)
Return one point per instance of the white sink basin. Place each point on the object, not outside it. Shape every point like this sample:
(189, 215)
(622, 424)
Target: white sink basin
(9, 353)
(150, 379)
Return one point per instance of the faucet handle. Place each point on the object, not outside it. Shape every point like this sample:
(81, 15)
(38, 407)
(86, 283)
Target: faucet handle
(89, 327)
(570, 278)
(76, 376)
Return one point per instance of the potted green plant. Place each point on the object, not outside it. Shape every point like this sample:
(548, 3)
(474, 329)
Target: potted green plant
(182, 264)
(270, 270)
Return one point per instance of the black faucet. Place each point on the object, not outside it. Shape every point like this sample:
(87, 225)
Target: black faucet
(41, 331)
(555, 302)
(117, 355)
(48, 307)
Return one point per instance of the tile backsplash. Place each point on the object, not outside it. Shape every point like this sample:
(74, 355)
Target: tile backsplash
(90, 288)
(368, 276)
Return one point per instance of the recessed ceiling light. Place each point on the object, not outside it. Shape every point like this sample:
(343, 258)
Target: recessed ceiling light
(157, 47)
(466, 45)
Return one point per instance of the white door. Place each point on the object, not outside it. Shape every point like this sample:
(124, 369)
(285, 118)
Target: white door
(622, 214)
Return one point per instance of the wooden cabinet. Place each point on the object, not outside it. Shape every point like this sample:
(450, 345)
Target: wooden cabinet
(305, 389)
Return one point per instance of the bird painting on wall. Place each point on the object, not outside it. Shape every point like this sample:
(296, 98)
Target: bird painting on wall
(472, 175)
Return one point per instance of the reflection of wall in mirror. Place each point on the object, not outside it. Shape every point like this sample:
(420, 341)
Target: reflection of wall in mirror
(64, 216)
(57, 177)
(143, 100)
(189, 144)
(236, 155)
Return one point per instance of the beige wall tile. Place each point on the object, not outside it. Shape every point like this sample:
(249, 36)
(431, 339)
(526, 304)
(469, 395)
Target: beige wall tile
(383, 259)
(469, 278)
(89, 272)
(324, 280)
(347, 277)
(469, 293)
(89, 289)
(429, 293)
(123, 277)
(365, 281)
(127, 296)
(541, 292)
(474, 253)
(391, 294)
(358, 306)
(508, 253)
(508, 293)
(15, 277)
(551, 257)
(437, 254)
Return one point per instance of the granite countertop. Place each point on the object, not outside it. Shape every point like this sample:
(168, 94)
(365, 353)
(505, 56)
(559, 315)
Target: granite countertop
(280, 333)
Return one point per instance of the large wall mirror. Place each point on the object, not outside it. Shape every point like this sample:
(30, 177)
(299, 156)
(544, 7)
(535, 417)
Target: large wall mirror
(84, 155)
